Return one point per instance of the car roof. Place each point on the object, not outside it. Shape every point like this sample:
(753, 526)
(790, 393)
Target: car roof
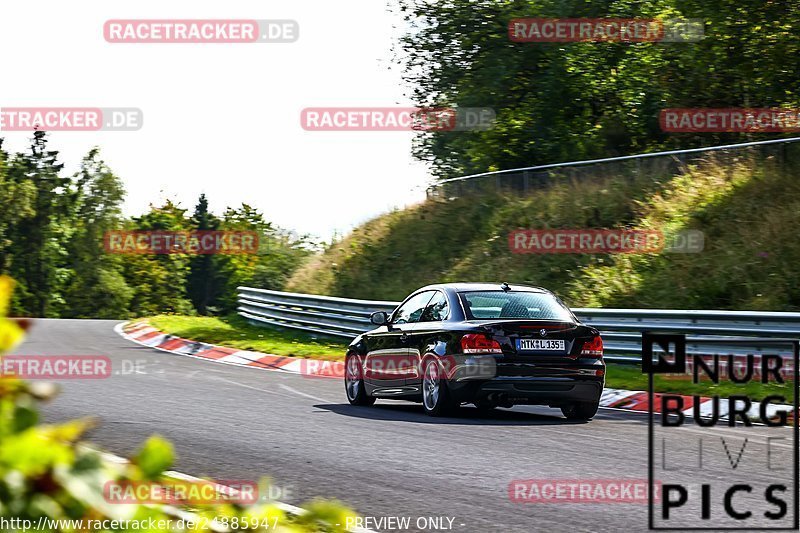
(482, 286)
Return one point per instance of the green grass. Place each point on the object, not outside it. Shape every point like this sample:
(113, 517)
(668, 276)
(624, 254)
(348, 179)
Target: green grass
(630, 377)
(236, 332)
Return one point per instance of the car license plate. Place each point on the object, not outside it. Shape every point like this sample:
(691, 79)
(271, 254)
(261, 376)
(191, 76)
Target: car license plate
(547, 345)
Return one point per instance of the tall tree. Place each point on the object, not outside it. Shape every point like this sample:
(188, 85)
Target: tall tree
(38, 243)
(159, 281)
(17, 198)
(203, 282)
(279, 253)
(96, 286)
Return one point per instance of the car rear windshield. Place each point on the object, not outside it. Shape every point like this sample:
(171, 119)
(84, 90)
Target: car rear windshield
(500, 304)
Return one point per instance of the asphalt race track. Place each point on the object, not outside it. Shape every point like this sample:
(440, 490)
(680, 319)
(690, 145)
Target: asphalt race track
(233, 423)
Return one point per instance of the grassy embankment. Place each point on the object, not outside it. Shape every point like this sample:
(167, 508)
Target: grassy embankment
(749, 213)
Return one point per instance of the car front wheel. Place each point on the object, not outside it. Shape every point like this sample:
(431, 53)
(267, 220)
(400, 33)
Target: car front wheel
(436, 397)
(354, 382)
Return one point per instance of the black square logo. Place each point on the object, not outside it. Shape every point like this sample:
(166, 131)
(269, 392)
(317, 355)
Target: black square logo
(673, 358)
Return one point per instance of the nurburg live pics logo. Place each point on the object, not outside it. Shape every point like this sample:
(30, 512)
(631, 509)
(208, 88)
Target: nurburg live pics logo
(723, 463)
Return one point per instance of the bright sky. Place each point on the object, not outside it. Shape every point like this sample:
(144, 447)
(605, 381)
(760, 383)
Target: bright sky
(223, 119)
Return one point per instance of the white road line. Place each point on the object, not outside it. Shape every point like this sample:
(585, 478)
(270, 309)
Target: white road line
(232, 382)
(286, 387)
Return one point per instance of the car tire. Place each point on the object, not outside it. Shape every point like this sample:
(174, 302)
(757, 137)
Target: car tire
(436, 397)
(354, 382)
(580, 410)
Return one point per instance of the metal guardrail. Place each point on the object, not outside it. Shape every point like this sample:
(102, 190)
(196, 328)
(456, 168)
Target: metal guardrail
(656, 164)
(723, 332)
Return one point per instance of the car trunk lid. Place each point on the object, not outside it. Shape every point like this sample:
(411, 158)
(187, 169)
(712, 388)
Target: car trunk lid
(537, 340)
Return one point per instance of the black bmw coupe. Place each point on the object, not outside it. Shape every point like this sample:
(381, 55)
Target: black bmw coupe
(489, 344)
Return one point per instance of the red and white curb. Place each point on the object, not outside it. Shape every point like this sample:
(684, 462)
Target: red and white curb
(631, 400)
(146, 335)
(627, 400)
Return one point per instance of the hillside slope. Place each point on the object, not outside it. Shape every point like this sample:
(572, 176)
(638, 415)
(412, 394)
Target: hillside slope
(749, 212)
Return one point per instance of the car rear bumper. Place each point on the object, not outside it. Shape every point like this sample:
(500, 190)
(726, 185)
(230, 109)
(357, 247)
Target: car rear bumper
(529, 390)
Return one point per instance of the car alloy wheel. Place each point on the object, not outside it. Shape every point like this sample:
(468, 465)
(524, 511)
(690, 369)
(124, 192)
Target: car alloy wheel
(354, 382)
(435, 394)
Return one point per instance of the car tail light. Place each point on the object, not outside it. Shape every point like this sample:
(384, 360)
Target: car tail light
(593, 348)
(478, 343)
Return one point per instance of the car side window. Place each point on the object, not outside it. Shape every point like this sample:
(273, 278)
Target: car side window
(437, 309)
(411, 311)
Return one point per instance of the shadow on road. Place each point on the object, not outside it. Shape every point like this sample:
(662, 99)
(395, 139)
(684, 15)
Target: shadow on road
(466, 415)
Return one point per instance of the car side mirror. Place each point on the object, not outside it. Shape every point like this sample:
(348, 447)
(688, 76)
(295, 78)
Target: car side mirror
(379, 318)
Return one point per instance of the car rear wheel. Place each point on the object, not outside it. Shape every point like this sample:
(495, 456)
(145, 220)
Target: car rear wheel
(580, 410)
(354, 382)
(436, 397)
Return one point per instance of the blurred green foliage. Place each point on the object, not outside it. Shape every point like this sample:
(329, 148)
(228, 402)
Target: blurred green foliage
(47, 474)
